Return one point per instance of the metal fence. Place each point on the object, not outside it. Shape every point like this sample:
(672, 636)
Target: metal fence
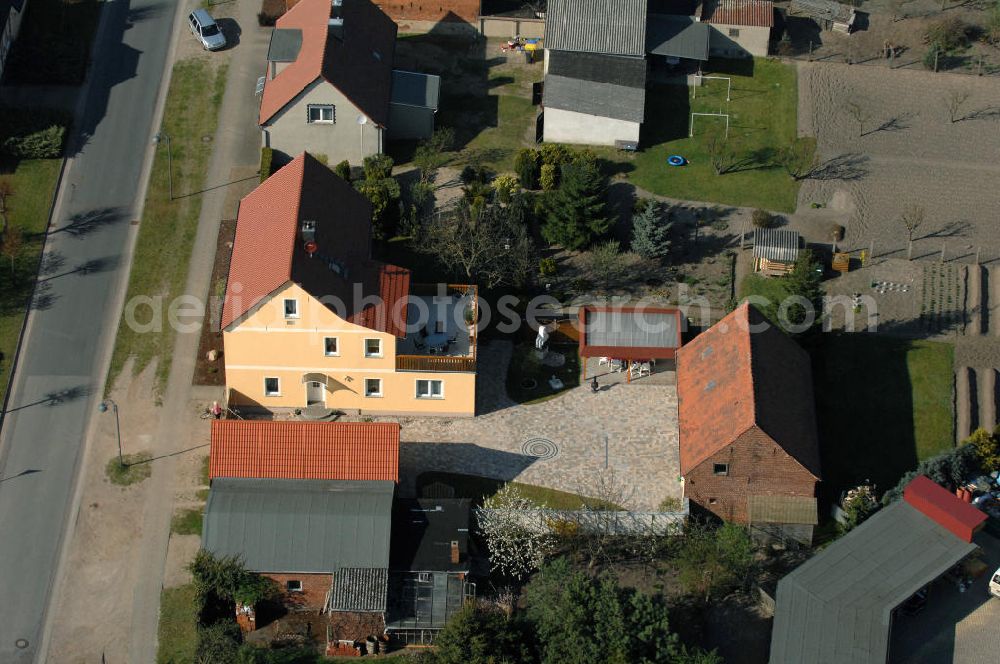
(603, 521)
(910, 59)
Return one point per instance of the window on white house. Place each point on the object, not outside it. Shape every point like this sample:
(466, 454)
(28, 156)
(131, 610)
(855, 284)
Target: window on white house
(330, 346)
(322, 113)
(430, 389)
(734, 32)
(373, 348)
(720, 468)
(373, 387)
(272, 387)
(291, 308)
(293, 586)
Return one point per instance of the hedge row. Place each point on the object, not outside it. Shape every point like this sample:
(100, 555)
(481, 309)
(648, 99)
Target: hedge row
(31, 133)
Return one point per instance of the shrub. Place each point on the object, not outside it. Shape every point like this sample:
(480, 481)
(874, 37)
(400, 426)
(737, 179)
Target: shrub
(948, 34)
(932, 55)
(762, 219)
(554, 154)
(547, 267)
(548, 177)
(505, 186)
(576, 213)
(266, 163)
(858, 505)
(343, 169)
(32, 133)
(270, 12)
(526, 164)
(987, 448)
(377, 167)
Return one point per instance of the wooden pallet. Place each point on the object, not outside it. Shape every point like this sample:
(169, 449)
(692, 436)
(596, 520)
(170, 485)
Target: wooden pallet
(841, 262)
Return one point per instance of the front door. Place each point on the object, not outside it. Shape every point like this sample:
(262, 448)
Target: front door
(314, 393)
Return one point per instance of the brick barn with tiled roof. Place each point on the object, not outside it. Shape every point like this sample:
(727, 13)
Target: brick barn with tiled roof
(748, 425)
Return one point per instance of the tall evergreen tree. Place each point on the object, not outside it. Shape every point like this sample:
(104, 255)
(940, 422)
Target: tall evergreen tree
(651, 232)
(576, 214)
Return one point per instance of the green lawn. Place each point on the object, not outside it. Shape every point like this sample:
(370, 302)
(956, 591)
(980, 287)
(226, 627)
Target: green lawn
(479, 488)
(166, 236)
(528, 379)
(187, 521)
(494, 125)
(883, 404)
(762, 120)
(178, 634)
(33, 183)
(136, 468)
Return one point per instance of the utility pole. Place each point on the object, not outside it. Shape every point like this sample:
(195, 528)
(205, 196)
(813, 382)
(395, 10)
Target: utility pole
(118, 428)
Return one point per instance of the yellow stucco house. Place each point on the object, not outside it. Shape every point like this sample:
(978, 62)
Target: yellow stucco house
(310, 320)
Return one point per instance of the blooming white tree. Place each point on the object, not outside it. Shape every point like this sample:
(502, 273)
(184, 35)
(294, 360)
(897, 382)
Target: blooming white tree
(517, 544)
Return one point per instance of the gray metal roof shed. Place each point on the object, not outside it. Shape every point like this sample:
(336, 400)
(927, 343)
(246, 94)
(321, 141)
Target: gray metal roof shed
(359, 589)
(285, 45)
(777, 245)
(613, 27)
(415, 89)
(605, 100)
(306, 526)
(677, 37)
(837, 607)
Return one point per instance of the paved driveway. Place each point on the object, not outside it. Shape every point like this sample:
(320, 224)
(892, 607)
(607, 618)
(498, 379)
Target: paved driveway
(565, 443)
(955, 628)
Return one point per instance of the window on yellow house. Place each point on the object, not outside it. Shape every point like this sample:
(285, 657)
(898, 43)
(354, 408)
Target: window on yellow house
(291, 308)
(373, 348)
(330, 346)
(272, 387)
(430, 389)
(373, 387)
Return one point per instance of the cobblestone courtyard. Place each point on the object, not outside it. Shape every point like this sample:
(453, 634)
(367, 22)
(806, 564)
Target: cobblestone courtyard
(559, 443)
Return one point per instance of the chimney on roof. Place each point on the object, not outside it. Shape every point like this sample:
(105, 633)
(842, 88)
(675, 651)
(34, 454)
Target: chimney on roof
(455, 554)
(308, 230)
(337, 19)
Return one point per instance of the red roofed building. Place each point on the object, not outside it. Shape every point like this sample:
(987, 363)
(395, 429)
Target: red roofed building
(304, 450)
(937, 503)
(748, 444)
(330, 88)
(740, 28)
(309, 319)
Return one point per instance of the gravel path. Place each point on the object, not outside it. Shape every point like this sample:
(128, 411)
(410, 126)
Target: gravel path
(910, 153)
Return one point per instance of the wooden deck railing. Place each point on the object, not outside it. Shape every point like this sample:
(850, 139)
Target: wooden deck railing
(434, 363)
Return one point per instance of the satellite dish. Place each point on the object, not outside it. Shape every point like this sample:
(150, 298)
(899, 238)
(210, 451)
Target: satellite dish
(362, 120)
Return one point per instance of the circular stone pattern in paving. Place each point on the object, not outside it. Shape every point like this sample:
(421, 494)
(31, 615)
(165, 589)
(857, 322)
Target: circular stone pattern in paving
(540, 448)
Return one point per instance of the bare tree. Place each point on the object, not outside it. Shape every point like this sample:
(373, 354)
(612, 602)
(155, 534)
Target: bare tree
(722, 152)
(799, 159)
(859, 112)
(953, 102)
(12, 241)
(489, 246)
(6, 193)
(912, 219)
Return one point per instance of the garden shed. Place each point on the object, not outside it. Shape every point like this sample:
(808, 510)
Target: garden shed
(775, 250)
(828, 15)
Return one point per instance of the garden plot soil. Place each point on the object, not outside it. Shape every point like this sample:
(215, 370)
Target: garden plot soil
(910, 153)
(905, 31)
(205, 372)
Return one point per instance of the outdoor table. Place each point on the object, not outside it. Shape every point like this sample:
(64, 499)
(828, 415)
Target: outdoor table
(436, 340)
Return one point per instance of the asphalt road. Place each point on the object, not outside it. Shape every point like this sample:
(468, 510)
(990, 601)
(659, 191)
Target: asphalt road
(58, 380)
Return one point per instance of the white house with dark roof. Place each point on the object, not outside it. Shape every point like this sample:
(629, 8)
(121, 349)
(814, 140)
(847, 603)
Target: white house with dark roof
(595, 71)
(597, 53)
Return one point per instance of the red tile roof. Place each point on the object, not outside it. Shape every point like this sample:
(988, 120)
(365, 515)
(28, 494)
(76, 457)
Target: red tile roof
(944, 508)
(268, 253)
(730, 380)
(359, 65)
(751, 13)
(304, 450)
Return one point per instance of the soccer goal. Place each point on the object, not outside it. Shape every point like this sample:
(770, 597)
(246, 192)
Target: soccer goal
(714, 115)
(701, 78)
